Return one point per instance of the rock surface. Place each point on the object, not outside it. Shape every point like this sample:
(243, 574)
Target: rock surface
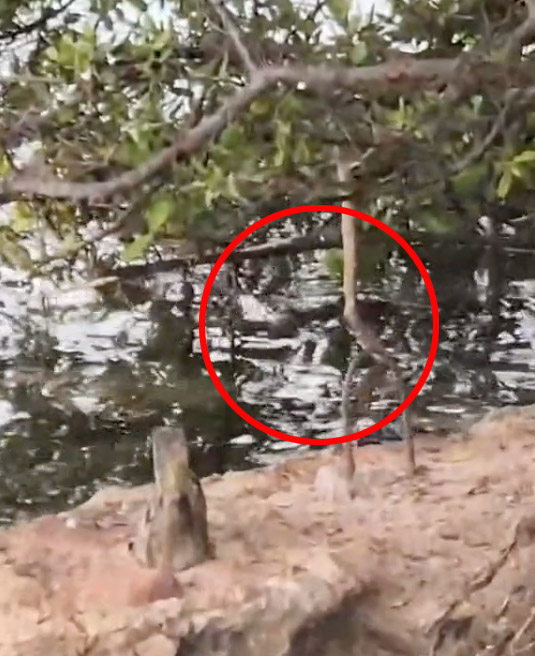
(443, 564)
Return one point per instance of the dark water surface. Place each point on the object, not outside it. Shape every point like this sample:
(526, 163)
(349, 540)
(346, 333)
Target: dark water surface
(82, 383)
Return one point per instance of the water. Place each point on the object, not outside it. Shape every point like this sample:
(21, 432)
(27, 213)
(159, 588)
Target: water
(84, 382)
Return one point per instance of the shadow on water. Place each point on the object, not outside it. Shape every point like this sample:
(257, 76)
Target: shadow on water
(82, 389)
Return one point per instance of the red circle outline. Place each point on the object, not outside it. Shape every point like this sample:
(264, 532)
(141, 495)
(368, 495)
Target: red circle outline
(280, 215)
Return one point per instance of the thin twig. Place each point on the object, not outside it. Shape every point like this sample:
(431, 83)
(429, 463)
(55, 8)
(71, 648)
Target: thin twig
(347, 421)
(530, 621)
(350, 240)
(481, 579)
(514, 99)
(524, 34)
(233, 33)
(117, 225)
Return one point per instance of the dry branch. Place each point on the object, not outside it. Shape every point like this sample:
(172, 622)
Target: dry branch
(231, 30)
(525, 526)
(320, 240)
(524, 34)
(516, 101)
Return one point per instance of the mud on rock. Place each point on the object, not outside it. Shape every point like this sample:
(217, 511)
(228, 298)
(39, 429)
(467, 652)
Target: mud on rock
(441, 564)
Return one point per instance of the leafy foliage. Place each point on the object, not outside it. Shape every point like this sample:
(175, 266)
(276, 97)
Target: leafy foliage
(97, 91)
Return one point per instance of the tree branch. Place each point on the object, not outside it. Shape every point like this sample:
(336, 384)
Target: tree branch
(515, 101)
(219, 7)
(388, 79)
(363, 333)
(184, 146)
(524, 34)
(320, 240)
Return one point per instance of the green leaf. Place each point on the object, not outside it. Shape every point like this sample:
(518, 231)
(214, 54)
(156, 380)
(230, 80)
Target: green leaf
(301, 152)
(523, 173)
(52, 53)
(435, 222)
(22, 217)
(505, 183)
(358, 53)
(66, 52)
(477, 102)
(290, 105)
(12, 251)
(287, 12)
(397, 118)
(526, 156)
(282, 140)
(279, 158)
(340, 10)
(284, 129)
(66, 114)
(136, 248)
(517, 171)
(162, 40)
(232, 137)
(71, 244)
(129, 153)
(261, 107)
(138, 4)
(470, 179)
(232, 189)
(334, 263)
(159, 212)
(209, 198)
(5, 165)
(354, 24)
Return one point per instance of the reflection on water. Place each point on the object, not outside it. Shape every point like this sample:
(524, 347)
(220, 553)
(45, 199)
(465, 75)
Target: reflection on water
(82, 383)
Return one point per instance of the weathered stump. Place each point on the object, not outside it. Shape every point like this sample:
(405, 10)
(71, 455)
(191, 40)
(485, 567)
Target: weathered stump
(173, 532)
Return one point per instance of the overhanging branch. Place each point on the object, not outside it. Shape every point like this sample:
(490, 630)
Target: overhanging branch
(405, 78)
